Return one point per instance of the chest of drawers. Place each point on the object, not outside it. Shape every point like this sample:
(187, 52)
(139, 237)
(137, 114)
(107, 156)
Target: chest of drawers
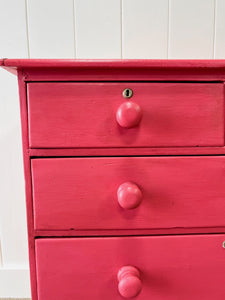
(125, 169)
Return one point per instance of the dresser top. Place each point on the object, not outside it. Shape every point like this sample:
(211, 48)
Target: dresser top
(117, 63)
(116, 69)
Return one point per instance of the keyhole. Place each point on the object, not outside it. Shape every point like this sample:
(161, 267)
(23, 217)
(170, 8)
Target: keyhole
(127, 93)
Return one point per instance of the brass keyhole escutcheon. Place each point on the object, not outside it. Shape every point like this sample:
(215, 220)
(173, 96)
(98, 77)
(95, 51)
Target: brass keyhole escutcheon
(127, 93)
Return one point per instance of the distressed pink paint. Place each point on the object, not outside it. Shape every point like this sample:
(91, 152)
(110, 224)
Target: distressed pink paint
(86, 115)
(125, 197)
(171, 267)
(169, 192)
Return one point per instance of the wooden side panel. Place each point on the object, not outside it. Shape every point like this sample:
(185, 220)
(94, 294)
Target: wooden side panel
(178, 267)
(28, 184)
(191, 29)
(118, 70)
(81, 193)
(51, 28)
(144, 28)
(98, 28)
(63, 115)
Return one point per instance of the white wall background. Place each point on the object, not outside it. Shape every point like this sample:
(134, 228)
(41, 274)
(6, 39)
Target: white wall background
(83, 29)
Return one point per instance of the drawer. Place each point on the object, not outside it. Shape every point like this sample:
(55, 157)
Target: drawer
(128, 192)
(168, 268)
(64, 115)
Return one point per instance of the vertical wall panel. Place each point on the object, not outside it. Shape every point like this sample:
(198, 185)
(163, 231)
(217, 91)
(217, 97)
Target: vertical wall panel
(13, 42)
(14, 284)
(12, 201)
(13, 234)
(1, 264)
(145, 28)
(219, 29)
(51, 28)
(97, 28)
(191, 29)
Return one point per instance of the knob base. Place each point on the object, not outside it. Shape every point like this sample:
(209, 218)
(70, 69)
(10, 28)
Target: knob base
(129, 282)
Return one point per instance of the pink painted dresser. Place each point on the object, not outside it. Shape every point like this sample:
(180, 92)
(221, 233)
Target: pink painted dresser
(125, 178)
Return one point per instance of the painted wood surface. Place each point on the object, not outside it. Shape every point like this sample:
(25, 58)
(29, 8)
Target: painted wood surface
(127, 151)
(202, 67)
(171, 267)
(129, 281)
(97, 28)
(128, 232)
(151, 65)
(63, 115)
(51, 28)
(14, 43)
(28, 184)
(135, 74)
(81, 193)
(144, 28)
(117, 69)
(191, 29)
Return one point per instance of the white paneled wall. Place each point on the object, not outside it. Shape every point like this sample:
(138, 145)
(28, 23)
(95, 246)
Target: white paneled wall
(14, 275)
(84, 29)
(191, 29)
(145, 29)
(97, 28)
(219, 42)
(50, 28)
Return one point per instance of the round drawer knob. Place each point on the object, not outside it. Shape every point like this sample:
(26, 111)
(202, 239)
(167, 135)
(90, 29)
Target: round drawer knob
(129, 285)
(128, 114)
(129, 195)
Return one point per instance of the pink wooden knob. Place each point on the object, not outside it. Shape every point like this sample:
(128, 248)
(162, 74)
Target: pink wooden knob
(128, 114)
(129, 195)
(129, 285)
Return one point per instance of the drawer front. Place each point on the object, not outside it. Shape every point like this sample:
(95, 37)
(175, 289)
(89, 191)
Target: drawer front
(63, 115)
(128, 192)
(170, 268)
